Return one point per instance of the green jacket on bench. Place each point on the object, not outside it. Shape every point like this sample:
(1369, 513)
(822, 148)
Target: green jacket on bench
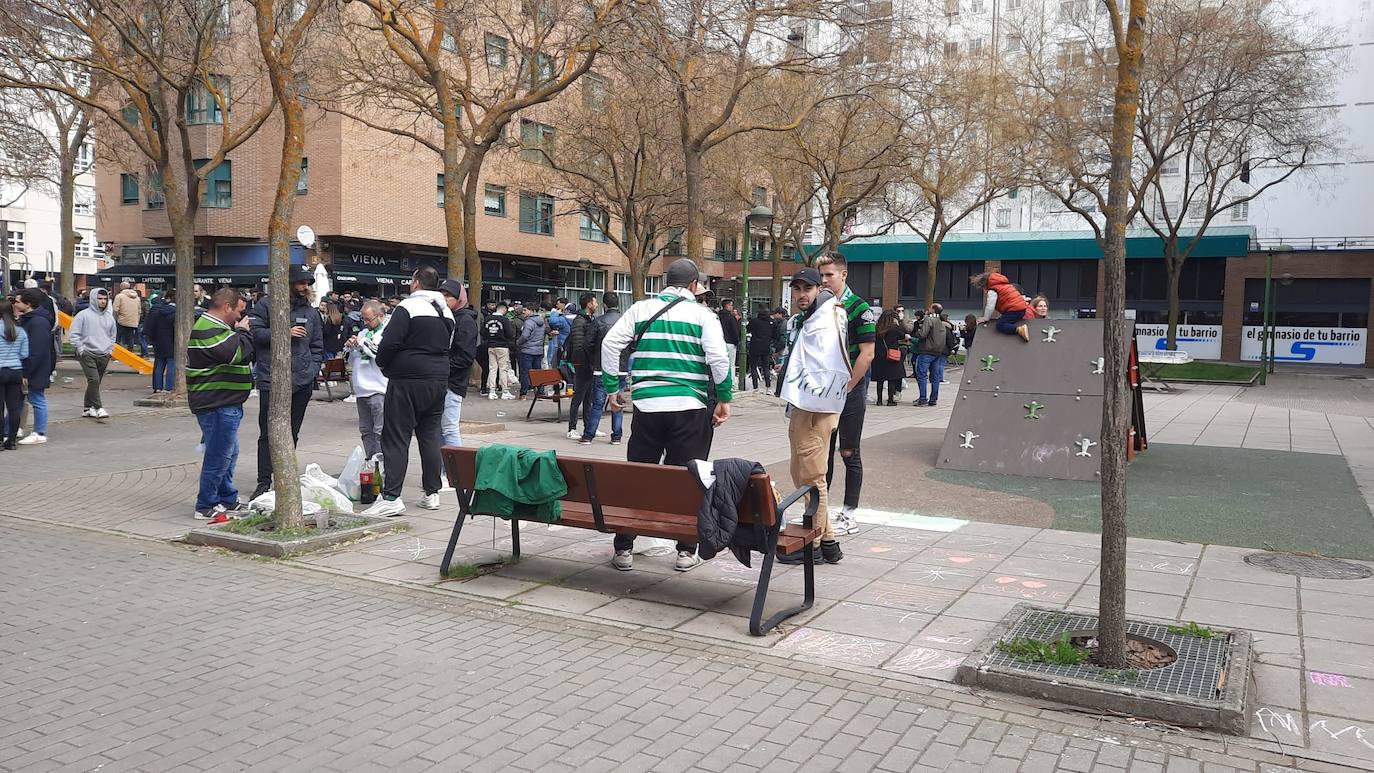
(518, 482)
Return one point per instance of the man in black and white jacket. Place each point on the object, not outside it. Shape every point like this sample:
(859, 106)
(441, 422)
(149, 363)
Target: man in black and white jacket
(414, 356)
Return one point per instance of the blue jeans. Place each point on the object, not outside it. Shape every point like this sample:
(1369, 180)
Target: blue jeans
(597, 406)
(164, 373)
(1009, 321)
(930, 367)
(551, 353)
(617, 417)
(528, 362)
(219, 429)
(448, 426)
(38, 398)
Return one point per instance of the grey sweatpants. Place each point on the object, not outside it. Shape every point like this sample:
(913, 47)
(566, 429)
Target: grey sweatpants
(93, 368)
(370, 423)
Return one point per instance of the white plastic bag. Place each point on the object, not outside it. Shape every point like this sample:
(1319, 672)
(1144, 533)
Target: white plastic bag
(327, 497)
(315, 476)
(655, 546)
(267, 502)
(348, 479)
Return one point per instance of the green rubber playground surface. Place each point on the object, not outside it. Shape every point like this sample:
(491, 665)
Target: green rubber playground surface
(1277, 500)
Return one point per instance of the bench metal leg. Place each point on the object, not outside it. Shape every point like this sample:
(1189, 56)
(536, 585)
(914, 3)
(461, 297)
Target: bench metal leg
(530, 412)
(464, 498)
(757, 628)
(515, 539)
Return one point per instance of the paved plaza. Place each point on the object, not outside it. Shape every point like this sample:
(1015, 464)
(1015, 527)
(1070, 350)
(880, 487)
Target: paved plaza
(143, 655)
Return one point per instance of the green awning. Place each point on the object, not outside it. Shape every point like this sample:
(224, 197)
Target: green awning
(1221, 242)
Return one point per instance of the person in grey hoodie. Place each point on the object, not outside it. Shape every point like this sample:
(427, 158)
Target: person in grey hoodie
(92, 334)
(530, 346)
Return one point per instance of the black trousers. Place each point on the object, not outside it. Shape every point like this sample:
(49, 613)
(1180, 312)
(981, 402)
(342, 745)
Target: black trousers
(670, 437)
(584, 385)
(300, 398)
(759, 362)
(482, 363)
(12, 391)
(848, 433)
(412, 407)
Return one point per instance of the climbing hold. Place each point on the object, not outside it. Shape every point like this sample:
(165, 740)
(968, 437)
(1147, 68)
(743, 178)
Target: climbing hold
(1083, 445)
(988, 362)
(1098, 364)
(968, 438)
(1033, 409)
(1050, 332)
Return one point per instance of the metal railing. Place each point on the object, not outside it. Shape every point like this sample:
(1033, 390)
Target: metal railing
(1315, 243)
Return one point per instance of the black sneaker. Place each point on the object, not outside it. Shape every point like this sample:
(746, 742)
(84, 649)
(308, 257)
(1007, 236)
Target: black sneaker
(799, 557)
(830, 551)
(930, 404)
(920, 403)
(208, 513)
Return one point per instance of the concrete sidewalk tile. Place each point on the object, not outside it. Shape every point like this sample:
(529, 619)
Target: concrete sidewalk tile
(1164, 547)
(1341, 696)
(860, 566)
(833, 648)
(727, 627)
(979, 606)
(490, 586)
(1059, 537)
(1277, 686)
(953, 634)
(871, 621)
(960, 559)
(1278, 649)
(1224, 614)
(916, 599)
(1357, 630)
(649, 613)
(914, 573)
(928, 662)
(1151, 605)
(1040, 568)
(1025, 588)
(1338, 735)
(609, 581)
(1363, 587)
(1019, 533)
(982, 543)
(541, 569)
(1330, 603)
(351, 562)
(686, 592)
(1245, 593)
(410, 572)
(1239, 571)
(1335, 657)
(562, 599)
(743, 604)
(1166, 583)
(866, 547)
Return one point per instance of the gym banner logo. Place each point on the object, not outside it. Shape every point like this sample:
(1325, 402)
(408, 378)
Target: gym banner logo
(1203, 342)
(1321, 345)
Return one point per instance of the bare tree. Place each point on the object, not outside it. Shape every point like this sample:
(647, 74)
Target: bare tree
(1229, 109)
(714, 56)
(451, 76)
(282, 29)
(158, 69)
(617, 160)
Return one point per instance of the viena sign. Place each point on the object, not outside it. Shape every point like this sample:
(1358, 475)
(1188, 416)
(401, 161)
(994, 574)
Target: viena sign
(1203, 342)
(1322, 345)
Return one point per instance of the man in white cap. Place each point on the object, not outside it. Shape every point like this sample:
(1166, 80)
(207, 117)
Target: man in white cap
(679, 376)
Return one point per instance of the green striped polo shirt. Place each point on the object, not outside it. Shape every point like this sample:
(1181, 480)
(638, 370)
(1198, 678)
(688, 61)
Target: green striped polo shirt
(219, 369)
(863, 328)
(672, 365)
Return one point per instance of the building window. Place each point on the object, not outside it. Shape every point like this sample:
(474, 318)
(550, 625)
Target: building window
(448, 41)
(536, 213)
(1073, 54)
(154, 200)
(1004, 217)
(727, 247)
(496, 50)
(1013, 43)
(85, 248)
(1240, 212)
(217, 189)
(975, 47)
(494, 200)
(975, 6)
(653, 285)
(303, 184)
(536, 140)
(760, 195)
(1013, 5)
(14, 239)
(439, 188)
(951, 49)
(584, 279)
(128, 189)
(674, 246)
(83, 202)
(85, 157)
(951, 7)
(1170, 166)
(537, 69)
(541, 11)
(623, 284)
(591, 225)
(201, 105)
(1070, 10)
(594, 90)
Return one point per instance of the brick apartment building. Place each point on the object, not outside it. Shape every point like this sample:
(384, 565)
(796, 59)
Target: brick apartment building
(376, 207)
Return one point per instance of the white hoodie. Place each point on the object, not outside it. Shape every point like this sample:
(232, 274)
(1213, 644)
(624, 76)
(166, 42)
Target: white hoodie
(367, 378)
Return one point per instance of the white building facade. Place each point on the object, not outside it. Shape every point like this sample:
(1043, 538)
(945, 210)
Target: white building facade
(31, 225)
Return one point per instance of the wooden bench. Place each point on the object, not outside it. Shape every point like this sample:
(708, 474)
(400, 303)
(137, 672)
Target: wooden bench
(332, 371)
(654, 500)
(541, 378)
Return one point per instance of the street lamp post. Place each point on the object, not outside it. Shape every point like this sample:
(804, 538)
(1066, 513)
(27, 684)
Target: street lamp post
(761, 216)
(1266, 331)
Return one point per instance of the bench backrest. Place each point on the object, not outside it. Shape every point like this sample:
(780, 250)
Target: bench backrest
(542, 377)
(334, 367)
(632, 485)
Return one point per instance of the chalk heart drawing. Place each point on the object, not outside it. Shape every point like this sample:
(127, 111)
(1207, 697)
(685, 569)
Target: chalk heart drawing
(1276, 721)
(1026, 589)
(923, 659)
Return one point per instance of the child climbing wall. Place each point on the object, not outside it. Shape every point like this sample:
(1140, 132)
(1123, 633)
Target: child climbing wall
(1005, 298)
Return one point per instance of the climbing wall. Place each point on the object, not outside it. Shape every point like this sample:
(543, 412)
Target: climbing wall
(1032, 409)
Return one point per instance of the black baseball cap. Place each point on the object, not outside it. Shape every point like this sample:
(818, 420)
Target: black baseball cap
(808, 275)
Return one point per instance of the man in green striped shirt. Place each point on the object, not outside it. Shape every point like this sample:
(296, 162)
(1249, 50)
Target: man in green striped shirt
(862, 335)
(219, 376)
(678, 368)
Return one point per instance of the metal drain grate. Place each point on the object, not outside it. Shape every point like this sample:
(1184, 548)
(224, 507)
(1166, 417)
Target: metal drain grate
(1310, 566)
(1196, 673)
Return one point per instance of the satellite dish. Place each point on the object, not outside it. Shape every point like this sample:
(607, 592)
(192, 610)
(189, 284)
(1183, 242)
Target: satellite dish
(306, 236)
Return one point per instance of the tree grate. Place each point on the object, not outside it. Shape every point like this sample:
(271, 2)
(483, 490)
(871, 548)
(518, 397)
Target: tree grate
(1316, 567)
(1197, 673)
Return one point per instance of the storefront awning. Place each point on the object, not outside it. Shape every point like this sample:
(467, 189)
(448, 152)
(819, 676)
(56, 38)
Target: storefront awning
(368, 278)
(236, 276)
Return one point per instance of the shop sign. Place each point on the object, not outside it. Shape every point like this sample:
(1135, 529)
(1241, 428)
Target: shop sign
(1203, 342)
(1320, 345)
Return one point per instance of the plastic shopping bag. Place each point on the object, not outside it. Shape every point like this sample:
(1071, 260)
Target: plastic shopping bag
(348, 479)
(267, 502)
(327, 497)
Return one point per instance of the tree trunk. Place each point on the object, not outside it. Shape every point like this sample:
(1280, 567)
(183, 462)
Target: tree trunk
(472, 173)
(775, 287)
(182, 205)
(1116, 412)
(285, 470)
(932, 268)
(691, 158)
(67, 193)
(1173, 268)
(454, 194)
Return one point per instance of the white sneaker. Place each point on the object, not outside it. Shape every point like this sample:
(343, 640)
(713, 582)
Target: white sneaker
(20, 433)
(599, 433)
(492, 395)
(686, 562)
(88, 413)
(252, 393)
(507, 396)
(101, 413)
(429, 502)
(33, 439)
(351, 399)
(844, 523)
(386, 508)
(575, 435)
(624, 560)
(445, 488)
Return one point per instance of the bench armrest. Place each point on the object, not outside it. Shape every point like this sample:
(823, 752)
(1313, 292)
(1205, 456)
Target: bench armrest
(813, 503)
